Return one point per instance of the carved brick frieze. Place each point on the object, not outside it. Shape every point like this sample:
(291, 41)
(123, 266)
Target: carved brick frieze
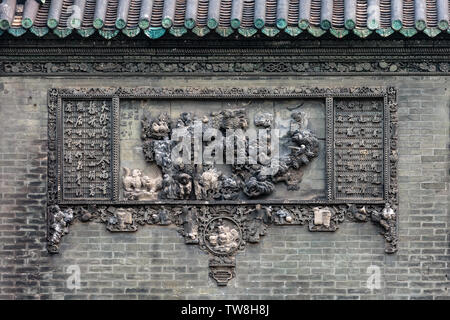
(146, 68)
(93, 173)
(225, 59)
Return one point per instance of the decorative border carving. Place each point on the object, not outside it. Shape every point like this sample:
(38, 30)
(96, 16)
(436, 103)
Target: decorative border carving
(248, 220)
(195, 68)
(313, 58)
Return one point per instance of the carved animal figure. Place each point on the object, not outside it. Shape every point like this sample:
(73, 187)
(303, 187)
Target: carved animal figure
(152, 185)
(132, 179)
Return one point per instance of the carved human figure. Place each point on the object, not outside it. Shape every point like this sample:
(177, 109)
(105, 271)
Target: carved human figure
(223, 236)
(388, 213)
(258, 219)
(139, 187)
(190, 226)
(207, 184)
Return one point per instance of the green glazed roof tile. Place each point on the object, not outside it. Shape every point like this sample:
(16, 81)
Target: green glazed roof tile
(39, 31)
(131, 32)
(62, 33)
(432, 32)
(86, 32)
(155, 33)
(385, 32)
(243, 19)
(408, 32)
(293, 31)
(189, 23)
(224, 32)
(108, 34)
(316, 31)
(200, 31)
(247, 32)
(362, 33)
(17, 32)
(270, 31)
(339, 33)
(177, 31)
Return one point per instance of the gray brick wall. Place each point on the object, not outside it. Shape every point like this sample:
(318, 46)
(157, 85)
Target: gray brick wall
(289, 263)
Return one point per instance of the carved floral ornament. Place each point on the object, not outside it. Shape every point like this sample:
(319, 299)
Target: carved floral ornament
(374, 65)
(221, 211)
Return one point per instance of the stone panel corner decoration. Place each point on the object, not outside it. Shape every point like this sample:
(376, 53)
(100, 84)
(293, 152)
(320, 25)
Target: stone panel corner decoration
(222, 164)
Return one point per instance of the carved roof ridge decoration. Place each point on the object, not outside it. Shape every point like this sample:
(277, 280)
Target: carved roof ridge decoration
(247, 18)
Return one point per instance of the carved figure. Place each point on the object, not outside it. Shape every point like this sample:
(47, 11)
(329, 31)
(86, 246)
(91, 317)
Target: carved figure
(139, 187)
(132, 179)
(223, 239)
(59, 225)
(259, 218)
(207, 184)
(124, 217)
(388, 213)
(282, 216)
(190, 226)
(152, 185)
(229, 119)
(118, 219)
(253, 179)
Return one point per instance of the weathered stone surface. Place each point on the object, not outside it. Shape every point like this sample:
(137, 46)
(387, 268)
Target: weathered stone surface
(288, 263)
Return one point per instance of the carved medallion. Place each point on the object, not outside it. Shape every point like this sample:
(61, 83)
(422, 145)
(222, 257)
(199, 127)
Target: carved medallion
(222, 236)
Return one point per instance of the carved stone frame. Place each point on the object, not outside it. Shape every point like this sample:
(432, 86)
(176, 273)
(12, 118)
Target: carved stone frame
(248, 215)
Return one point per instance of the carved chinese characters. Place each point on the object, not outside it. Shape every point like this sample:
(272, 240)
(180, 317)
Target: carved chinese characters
(358, 148)
(86, 149)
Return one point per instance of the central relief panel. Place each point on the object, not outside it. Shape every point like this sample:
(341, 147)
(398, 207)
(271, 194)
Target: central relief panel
(222, 164)
(216, 150)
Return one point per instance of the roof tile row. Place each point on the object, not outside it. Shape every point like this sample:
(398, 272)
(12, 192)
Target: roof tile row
(247, 17)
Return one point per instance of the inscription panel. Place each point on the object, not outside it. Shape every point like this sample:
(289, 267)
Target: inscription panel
(86, 166)
(359, 148)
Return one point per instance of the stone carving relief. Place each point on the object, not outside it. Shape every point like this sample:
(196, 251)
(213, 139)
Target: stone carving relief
(206, 182)
(324, 219)
(139, 187)
(221, 211)
(58, 224)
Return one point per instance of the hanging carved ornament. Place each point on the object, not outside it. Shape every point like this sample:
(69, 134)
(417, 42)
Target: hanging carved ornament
(299, 156)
